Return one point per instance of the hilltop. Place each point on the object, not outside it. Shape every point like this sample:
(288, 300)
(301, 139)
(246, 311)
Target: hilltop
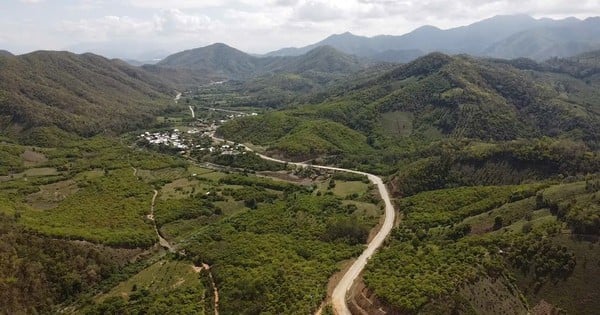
(86, 94)
(228, 62)
(216, 58)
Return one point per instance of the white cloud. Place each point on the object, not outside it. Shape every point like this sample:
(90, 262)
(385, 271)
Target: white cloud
(318, 11)
(168, 22)
(174, 21)
(251, 25)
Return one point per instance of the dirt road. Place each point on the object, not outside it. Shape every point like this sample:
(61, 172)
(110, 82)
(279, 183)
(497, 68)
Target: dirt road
(341, 289)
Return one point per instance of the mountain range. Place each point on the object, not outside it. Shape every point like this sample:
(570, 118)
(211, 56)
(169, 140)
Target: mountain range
(221, 60)
(503, 36)
(440, 96)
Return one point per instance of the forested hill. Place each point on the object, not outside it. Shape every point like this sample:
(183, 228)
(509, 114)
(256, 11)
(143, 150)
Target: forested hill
(222, 60)
(86, 94)
(439, 96)
(216, 58)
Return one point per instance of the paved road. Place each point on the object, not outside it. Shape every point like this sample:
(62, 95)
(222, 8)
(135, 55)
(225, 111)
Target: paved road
(341, 289)
(223, 110)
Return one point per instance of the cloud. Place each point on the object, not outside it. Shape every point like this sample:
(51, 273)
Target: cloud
(251, 25)
(168, 22)
(174, 21)
(318, 11)
(286, 3)
(107, 27)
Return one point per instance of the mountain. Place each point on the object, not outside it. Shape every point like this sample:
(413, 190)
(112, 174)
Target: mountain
(448, 97)
(320, 59)
(220, 60)
(5, 53)
(398, 56)
(139, 63)
(86, 94)
(346, 42)
(570, 38)
(499, 36)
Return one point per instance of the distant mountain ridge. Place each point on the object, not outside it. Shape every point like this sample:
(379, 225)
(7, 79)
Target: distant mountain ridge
(503, 36)
(222, 60)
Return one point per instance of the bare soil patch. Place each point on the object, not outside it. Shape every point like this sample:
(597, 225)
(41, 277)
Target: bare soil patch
(51, 195)
(33, 158)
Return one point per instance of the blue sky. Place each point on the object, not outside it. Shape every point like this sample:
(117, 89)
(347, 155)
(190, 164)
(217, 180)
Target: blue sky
(146, 28)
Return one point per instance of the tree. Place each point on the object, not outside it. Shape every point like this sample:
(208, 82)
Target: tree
(498, 223)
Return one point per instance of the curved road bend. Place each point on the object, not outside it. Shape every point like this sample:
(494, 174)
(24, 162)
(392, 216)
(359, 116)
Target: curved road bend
(341, 289)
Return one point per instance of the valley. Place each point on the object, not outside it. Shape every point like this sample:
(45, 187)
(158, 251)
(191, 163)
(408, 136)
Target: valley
(315, 180)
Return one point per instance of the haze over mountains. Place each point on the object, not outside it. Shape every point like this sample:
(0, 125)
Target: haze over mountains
(508, 36)
(502, 36)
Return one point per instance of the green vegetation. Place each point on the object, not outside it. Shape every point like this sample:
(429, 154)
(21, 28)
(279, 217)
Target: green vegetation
(162, 276)
(87, 94)
(299, 139)
(439, 102)
(107, 210)
(38, 273)
(278, 257)
(178, 301)
(496, 163)
(463, 237)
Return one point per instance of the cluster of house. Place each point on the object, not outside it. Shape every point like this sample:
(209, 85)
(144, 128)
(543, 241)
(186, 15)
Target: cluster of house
(226, 149)
(201, 128)
(176, 139)
(170, 139)
(232, 116)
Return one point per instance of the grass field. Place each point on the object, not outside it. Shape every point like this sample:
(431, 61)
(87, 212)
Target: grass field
(206, 173)
(33, 158)
(51, 195)
(183, 188)
(31, 172)
(159, 277)
(344, 189)
(364, 208)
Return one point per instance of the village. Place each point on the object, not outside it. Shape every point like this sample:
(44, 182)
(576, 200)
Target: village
(197, 139)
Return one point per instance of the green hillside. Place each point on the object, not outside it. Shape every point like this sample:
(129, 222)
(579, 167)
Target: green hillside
(86, 94)
(217, 58)
(441, 97)
(492, 249)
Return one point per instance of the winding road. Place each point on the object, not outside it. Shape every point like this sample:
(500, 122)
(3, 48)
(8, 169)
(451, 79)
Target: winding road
(343, 286)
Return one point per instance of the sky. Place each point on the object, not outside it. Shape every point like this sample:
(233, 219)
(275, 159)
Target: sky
(146, 29)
